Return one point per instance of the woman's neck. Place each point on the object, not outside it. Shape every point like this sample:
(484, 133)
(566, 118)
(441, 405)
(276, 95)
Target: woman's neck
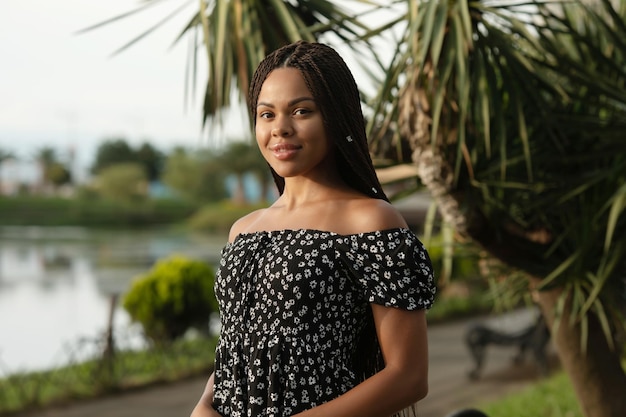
(301, 192)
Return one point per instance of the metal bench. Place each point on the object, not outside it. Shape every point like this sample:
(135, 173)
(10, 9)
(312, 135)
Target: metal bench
(533, 338)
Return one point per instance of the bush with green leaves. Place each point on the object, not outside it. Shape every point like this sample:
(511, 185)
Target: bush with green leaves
(174, 296)
(126, 181)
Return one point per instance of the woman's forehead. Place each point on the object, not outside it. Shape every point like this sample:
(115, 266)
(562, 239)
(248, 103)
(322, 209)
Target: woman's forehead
(284, 83)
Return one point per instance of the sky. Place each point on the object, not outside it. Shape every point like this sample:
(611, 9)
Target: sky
(66, 90)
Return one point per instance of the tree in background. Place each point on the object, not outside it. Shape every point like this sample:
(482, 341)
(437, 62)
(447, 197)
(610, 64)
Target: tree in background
(194, 175)
(125, 181)
(240, 158)
(58, 174)
(152, 159)
(111, 152)
(4, 156)
(263, 175)
(53, 172)
(117, 151)
(45, 157)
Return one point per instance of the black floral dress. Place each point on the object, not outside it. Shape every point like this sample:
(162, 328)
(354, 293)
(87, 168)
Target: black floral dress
(292, 304)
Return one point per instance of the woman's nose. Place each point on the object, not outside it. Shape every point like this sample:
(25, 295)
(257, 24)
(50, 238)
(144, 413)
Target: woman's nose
(282, 127)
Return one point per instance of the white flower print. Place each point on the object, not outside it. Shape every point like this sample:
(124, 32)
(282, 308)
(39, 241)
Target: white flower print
(290, 302)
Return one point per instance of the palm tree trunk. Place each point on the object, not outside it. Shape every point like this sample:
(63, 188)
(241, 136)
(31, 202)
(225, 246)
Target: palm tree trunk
(595, 371)
(433, 170)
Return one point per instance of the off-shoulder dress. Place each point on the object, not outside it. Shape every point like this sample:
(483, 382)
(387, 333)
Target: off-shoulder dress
(292, 305)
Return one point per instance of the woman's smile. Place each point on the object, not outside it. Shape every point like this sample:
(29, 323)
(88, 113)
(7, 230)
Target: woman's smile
(284, 151)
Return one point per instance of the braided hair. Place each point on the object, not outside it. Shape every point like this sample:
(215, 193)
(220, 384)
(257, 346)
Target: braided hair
(335, 91)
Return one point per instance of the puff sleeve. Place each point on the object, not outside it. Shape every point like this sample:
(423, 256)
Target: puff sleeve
(390, 268)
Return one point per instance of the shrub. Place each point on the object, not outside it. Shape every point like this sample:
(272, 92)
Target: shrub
(174, 296)
(219, 217)
(124, 181)
(465, 258)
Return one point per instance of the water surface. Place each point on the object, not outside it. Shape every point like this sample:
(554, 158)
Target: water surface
(56, 286)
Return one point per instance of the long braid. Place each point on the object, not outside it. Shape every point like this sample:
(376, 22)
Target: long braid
(333, 87)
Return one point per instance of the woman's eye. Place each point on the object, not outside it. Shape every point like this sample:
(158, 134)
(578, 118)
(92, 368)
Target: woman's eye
(302, 111)
(265, 115)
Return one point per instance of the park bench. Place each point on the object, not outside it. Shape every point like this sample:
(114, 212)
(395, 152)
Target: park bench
(533, 338)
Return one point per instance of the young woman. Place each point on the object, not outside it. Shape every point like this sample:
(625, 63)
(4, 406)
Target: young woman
(323, 294)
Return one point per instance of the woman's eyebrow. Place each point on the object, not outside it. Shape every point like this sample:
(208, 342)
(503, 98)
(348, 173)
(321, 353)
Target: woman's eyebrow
(291, 103)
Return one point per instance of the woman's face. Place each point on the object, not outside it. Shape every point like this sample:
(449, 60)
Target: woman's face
(290, 128)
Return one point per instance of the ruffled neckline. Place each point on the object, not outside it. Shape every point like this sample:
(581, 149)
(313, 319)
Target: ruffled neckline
(279, 232)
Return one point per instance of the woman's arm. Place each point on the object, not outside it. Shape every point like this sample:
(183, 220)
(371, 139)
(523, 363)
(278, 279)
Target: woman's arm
(204, 408)
(404, 379)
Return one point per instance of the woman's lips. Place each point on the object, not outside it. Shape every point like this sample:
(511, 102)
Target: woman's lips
(284, 151)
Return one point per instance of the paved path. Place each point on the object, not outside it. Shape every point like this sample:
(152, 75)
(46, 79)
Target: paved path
(450, 389)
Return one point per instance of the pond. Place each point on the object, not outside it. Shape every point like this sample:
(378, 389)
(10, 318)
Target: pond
(57, 285)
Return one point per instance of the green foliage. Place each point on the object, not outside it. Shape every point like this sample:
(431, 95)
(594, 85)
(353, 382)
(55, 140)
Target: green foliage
(218, 218)
(549, 398)
(465, 257)
(111, 213)
(152, 160)
(6, 154)
(195, 176)
(457, 307)
(479, 284)
(524, 107)
(57, 174)
(91, 211)
(261, 27)
(93, 378)
(174, 296)
(242, 157)
(46, 156)
(123, 181)
(111, 152)
(117, 151)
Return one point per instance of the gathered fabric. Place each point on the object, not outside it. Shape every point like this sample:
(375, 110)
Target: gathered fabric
(296, 323)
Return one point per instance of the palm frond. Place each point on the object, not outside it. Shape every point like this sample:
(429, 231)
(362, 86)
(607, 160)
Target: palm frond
(236, 35)
(526, 102)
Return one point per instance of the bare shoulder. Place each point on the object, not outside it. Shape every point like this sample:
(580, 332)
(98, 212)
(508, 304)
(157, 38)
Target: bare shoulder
(243, 224)
(369, 214)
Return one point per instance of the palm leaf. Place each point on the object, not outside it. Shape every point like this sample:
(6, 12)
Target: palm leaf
(237, 35)
(527, 105)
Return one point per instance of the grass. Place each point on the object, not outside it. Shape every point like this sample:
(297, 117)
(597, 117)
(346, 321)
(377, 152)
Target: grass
(91, 212)
(451, 308)
(552, 397)
(128, 370)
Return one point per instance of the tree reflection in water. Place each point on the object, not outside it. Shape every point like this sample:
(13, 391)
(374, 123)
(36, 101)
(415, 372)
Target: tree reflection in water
(56, 286)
